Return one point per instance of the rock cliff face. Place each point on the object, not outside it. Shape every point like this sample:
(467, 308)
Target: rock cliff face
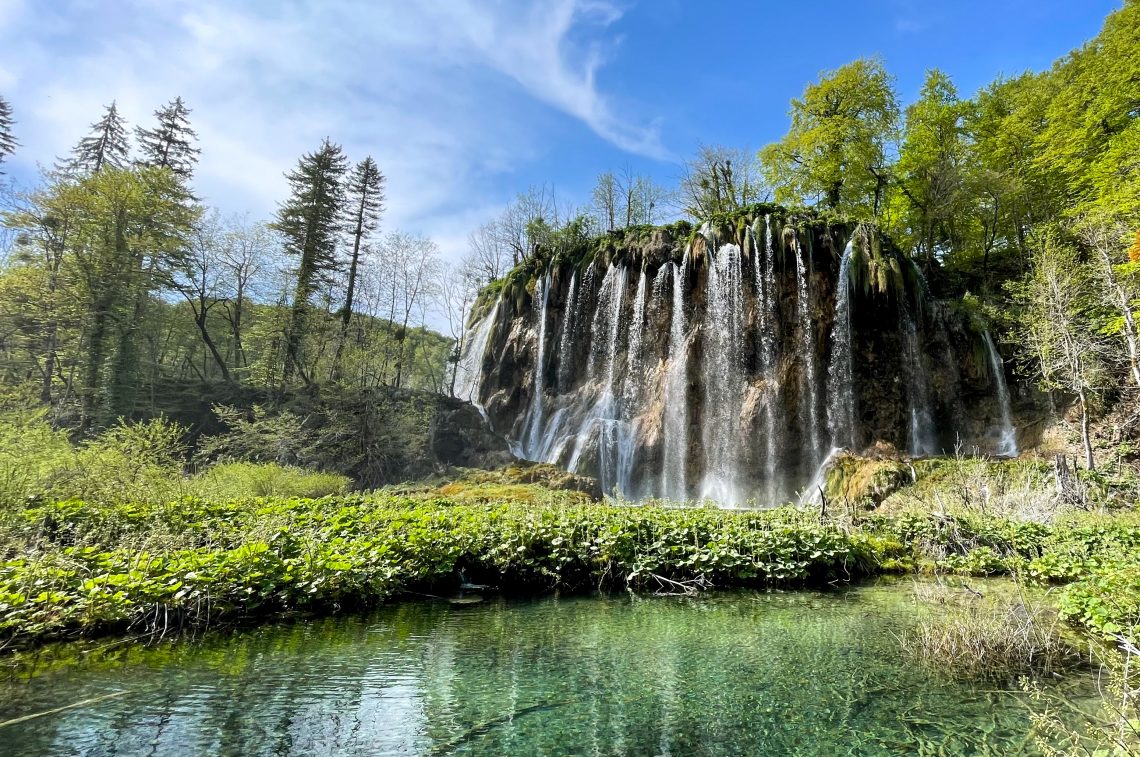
(730, 361)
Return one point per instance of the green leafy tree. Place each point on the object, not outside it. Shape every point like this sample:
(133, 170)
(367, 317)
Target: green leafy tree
(1009, 192)
(836, 151)
(929, 171)
(1090, 136)
(106, 240)
(310, 222)
(171, 143)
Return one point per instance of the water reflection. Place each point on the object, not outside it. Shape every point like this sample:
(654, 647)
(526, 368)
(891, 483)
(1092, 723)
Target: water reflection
(740, 673)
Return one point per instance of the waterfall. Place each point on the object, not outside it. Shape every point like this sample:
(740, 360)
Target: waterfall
(631, 394)
(675, 427)
(769, 322)
(722, 375)
(809, 385)
(658, 290)
(1007, 435)
(535, 420)
(601, 422)
(469, 369)
(633, 375)
(695, 376)
(921, 438)
(566, 343)
(840, 381)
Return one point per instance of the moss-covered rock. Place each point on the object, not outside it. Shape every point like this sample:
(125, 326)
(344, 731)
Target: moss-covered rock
(863, 483)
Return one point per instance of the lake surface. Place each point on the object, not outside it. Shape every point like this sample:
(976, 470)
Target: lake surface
(754, 673)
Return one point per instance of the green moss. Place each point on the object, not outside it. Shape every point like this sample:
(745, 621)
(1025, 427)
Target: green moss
(860, 483)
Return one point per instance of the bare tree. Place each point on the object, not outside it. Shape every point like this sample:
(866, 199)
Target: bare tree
(412, 265)
(487, 255)
(605, 200)
(720, 180)
(625, 199)
(528, 222)
(200, 278)
(1107, 239)
(248, 254)
(1056, 327)
(458, 288)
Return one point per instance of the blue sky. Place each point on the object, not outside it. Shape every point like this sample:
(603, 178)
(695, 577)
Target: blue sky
(464, 102)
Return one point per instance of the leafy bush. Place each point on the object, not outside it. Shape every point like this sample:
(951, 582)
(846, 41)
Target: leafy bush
(87, 567)
(33, 456)
(133, 462)
(128, 461)
(1107, 600)
(228, 481)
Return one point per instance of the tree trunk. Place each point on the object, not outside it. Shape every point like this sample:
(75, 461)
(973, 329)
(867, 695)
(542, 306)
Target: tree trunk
(200, 322)
(833, 195)
(346, 314)
(239, 351)
(298, 320)
(94, 363)
(1086, 440)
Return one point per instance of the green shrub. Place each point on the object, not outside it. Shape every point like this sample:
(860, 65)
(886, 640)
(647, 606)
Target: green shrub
(87, 567)
(227, 481)
(34, 457)
(1106, 600)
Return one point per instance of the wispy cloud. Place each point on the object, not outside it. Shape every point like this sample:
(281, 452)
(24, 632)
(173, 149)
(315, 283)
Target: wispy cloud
(447, 95)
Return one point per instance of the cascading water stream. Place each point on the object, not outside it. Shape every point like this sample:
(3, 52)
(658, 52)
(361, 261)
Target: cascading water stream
(566, 343)
(633, 374)
(769, 322)
(600, 424)
(840, 381)
(722, 375)
(809, 385)
(675, 443)
(532, 439)
(921, 437)
(469, 369)
(631, 393)
(1007, 435)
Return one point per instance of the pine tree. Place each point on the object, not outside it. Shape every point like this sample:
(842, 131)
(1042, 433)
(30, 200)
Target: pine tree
(364, 204)
(310, 221)
(171, 143)
(106, 146)
(8, 142)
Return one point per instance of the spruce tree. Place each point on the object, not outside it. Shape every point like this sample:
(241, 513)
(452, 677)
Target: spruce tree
(171, 143)
(106, 146)
(310, 221)
(8, 142)
(364, 204)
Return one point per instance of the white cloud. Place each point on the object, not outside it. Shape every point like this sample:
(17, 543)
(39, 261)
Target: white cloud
(445, 94)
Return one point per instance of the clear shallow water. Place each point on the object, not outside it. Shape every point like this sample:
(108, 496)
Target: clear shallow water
(799, 673)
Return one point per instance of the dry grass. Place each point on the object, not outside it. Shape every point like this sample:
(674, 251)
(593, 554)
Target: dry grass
(975, 635)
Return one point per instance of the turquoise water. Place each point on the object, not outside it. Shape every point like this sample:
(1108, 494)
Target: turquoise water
(799, 673)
